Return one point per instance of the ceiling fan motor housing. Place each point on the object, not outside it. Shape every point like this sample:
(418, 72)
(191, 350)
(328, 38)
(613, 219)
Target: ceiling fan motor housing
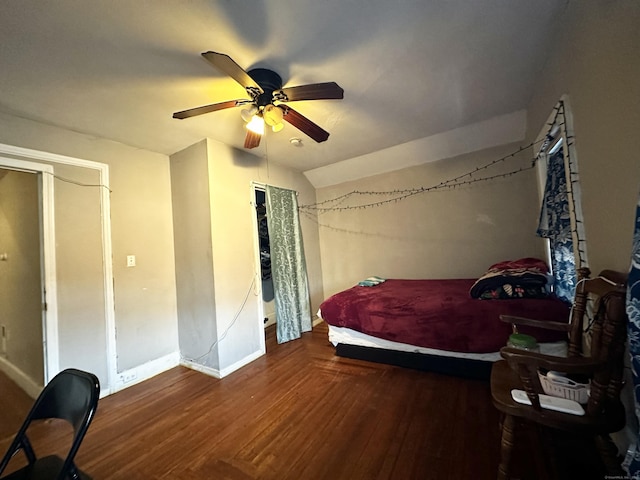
(269, 81)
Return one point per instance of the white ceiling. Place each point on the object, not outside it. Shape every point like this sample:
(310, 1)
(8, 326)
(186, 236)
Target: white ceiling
(410, 69)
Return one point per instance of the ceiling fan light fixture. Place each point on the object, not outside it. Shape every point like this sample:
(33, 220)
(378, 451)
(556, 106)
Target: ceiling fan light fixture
(272, 115)
(248, 113)
(256, 125)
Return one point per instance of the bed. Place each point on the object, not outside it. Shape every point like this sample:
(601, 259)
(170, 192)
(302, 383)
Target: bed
(447, 326)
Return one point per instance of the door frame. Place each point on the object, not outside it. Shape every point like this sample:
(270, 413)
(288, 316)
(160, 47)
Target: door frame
(26, 159)
(558, 132)
(47, 260)
(258, 271)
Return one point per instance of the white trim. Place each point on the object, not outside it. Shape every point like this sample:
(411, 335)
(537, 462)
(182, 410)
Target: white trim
(242, 362)
(144, 372)
(103, 170)
(50, 157)
(257, 270)
(48, 259)
(560, 121)
(20, 378)
(52, 351)
(214, 372)
(258, 186)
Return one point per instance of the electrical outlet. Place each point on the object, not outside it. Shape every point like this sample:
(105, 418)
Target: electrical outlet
(131, 260)
(128, 377)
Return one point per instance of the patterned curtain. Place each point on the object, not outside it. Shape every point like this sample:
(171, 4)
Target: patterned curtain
(555, 224)
(288, 267)
(633, 311)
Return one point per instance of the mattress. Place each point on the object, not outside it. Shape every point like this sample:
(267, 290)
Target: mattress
(347, 336)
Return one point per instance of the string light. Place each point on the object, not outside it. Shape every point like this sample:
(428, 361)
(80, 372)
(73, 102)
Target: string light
(75, 182)
(336, 204)
(581, 247)
(339, 203)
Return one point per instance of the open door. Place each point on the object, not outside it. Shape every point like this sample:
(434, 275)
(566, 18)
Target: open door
(23, 309)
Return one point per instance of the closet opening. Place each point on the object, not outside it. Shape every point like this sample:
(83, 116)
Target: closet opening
(268, 298)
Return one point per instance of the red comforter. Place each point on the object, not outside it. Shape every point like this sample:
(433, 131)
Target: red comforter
(438, 314)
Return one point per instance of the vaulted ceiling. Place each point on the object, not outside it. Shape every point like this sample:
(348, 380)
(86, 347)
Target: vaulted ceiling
(411, 69)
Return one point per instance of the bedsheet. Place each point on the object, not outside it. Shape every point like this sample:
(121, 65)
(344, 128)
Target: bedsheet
(438, 314)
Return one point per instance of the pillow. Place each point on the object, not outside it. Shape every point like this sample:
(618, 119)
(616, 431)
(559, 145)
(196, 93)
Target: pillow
(527, 263)
(523, 278)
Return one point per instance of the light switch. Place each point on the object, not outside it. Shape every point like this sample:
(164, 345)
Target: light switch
(131, 260)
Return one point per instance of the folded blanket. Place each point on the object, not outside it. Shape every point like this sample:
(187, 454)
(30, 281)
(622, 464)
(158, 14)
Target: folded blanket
(371, 281)
(524, 278)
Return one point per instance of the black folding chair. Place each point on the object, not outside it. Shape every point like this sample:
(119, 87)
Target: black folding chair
(72, 395)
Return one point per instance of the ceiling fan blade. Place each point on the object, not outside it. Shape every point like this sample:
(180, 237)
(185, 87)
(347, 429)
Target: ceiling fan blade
(252, 139)
(192, 112)
(314, 91)
(303, 124)
(225, 64)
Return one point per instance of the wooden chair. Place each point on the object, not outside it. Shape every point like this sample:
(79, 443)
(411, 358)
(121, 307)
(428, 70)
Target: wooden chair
(603, 364)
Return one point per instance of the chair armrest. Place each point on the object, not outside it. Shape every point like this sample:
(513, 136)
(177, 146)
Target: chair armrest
(530, 322)
(526, 364)
(534, 360)
(619, 278)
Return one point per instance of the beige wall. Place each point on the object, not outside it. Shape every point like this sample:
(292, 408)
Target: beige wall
(82, 329)
(145, 301)
(459, 233)
(141, 224)
(454, 233)
(20, 291)
(596, 62)
(193, 254)
(232, 229)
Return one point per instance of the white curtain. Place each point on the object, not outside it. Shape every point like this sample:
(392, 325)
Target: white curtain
(288, 266)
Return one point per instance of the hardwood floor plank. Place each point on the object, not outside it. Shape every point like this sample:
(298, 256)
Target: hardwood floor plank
(14, 406)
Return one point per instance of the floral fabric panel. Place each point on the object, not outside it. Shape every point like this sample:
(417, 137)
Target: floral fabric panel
(555, 224)
(633, 312)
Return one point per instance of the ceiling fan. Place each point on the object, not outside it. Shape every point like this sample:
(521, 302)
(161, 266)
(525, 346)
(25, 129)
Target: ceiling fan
(267, 104)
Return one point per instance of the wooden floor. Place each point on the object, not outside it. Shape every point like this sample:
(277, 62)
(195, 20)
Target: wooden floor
(14, 406)
(298, 412)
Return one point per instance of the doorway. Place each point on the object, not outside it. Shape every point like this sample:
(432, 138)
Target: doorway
(22, 316)
(262, 228)
(87, 210)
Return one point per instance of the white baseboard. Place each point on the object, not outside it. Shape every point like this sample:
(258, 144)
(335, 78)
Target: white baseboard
(271, 319)
(213, 372)
(21, 379)
(241, 363)
(130, 377)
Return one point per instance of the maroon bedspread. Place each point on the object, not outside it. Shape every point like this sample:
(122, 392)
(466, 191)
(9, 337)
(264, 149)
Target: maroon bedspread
(438, 314)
